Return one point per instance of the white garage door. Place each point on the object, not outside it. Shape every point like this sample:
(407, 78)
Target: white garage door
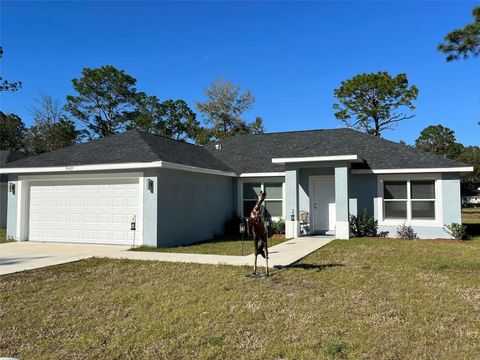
(87, 211)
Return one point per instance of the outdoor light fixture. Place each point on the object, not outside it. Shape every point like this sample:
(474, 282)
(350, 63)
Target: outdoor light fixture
(292, 217)
(242, 228)
(150, 185)
(11, 188)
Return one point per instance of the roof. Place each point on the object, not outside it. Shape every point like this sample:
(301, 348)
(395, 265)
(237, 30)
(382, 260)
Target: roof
(133, 146)
(254, 153)
(241, 154)
(7, 156)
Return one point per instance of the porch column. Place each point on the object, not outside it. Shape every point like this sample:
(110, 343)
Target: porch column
(292, 227)
(342, 228)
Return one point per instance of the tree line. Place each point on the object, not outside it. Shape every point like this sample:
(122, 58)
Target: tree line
(106, 101)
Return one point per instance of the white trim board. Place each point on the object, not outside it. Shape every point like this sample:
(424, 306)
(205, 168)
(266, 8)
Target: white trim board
(353, 158)
(262, 174)
(122, 166)
(412, 170)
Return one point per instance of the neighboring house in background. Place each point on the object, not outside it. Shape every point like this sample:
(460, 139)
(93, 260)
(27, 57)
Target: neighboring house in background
(179, 193)
(6, 156)
(472, 200)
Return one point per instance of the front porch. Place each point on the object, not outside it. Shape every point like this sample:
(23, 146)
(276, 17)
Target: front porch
(317, 196)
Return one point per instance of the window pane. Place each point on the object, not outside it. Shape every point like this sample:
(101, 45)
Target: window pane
(395, 209)
(423, 210)
(273, 190)
(251, 190)
(395, 190)
(274, 208)
(423, 189)
(247, 207)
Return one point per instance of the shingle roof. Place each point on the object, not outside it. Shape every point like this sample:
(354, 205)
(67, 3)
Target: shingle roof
(241, 154)
(128, 147)
(7, 156)
(254, 153)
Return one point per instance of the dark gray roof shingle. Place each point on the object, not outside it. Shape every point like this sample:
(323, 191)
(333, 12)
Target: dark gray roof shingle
(254, 153)
(7, 156)
(241, 154)
(128, 147)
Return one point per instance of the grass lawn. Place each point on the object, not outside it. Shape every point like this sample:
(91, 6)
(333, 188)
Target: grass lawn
(471, 215)
(225, 245)
(3, 236)
(369, 299)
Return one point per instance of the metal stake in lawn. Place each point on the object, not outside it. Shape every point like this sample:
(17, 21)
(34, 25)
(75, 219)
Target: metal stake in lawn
(242, 231)
(133, 227)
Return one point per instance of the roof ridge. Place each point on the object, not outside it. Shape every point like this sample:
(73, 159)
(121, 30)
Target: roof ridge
(145, 132)
(279, 132)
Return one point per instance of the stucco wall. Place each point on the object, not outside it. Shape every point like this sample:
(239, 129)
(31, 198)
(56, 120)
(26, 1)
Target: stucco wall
(12, 211)
(362, 193)
(3, 204)
(192, 206)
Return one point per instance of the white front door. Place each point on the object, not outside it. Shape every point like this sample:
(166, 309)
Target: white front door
(85, 211)
(323, 204)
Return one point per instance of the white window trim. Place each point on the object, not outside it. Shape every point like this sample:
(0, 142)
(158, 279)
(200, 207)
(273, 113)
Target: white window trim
(262, 182)
(438, 221)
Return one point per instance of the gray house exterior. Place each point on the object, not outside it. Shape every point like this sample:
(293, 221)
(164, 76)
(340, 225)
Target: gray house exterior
(178, 193)
(6, 156)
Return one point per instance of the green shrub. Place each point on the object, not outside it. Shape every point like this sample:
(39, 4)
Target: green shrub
(365, 226)
(456, 230)
(278, 227)
(406, 232)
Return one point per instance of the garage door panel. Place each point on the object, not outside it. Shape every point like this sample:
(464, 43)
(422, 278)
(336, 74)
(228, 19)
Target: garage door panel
(96, 211)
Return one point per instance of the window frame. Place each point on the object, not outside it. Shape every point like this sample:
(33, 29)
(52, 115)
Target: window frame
(262, 182)
(409, 178)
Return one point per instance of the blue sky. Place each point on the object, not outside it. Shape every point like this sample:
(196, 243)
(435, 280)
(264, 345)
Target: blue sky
(290, 55)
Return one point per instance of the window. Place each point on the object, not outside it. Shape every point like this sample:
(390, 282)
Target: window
(395, 198)
(273, 202)
(423, 199)
(409, 199)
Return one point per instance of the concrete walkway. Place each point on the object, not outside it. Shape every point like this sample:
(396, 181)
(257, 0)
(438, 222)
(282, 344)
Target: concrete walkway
(281, 255)
(19, 256)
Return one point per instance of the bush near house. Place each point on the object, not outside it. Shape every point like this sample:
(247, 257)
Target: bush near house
(365, 226)
(278, 227)
(457, 231)
(406, 232)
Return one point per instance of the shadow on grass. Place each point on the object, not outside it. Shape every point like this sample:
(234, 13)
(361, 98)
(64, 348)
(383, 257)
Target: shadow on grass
(319, 267)
(473, 229)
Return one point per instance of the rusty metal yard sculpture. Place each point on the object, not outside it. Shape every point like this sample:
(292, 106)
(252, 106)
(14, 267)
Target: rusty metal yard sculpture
(257, 228)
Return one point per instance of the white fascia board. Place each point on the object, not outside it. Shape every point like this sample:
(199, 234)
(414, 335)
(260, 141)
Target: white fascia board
(413, 171)
(174, 166)
(264, 174)
(353, 158)
(122, 166)
(74, 168)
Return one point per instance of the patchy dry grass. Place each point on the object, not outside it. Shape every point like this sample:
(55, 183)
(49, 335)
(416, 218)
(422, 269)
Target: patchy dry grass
(471, 215)
(225, 245)
(370, 299)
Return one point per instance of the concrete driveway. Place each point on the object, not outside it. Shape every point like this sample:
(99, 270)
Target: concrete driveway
(19, 256)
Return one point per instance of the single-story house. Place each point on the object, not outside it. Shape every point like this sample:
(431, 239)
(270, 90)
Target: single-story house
(6, 156)
(178, 193)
